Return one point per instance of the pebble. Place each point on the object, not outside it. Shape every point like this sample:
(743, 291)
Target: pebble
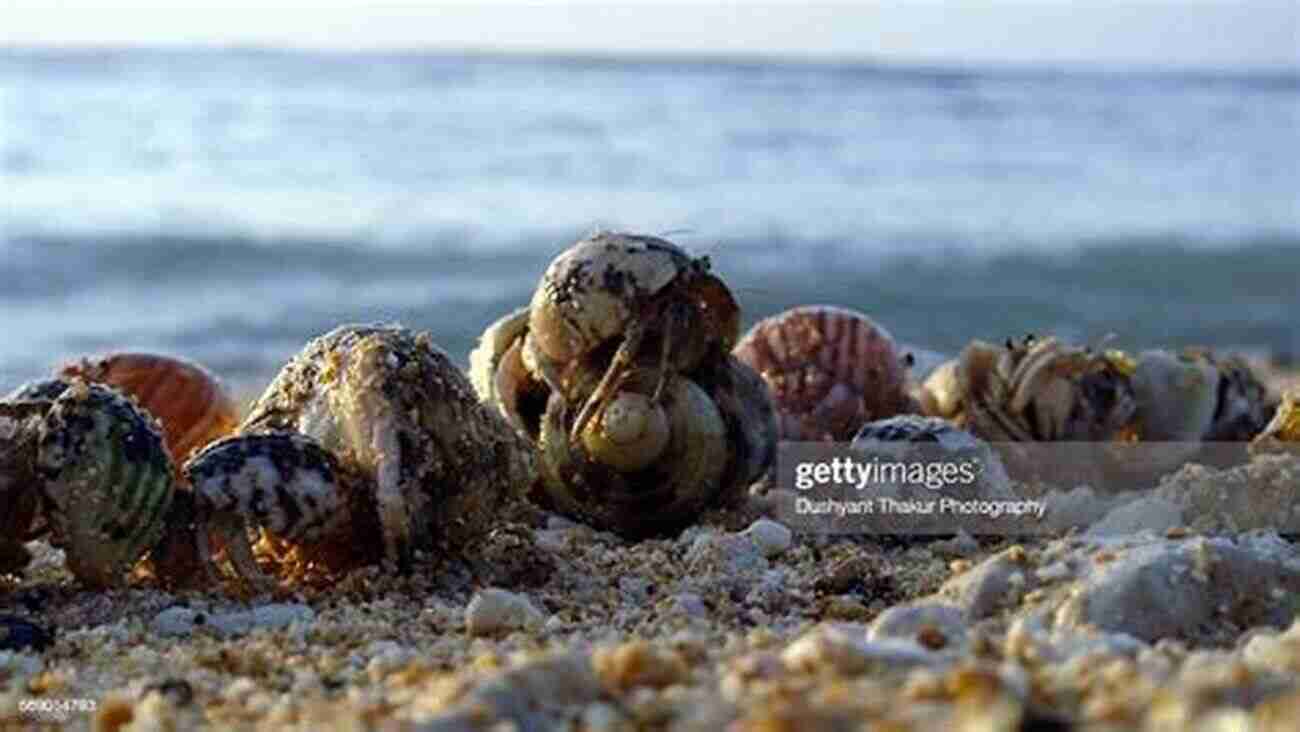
(845, 649)
(494, 611)
(181, 621)
(771, 538)
(690, 605)
(1152, 513)
(921, 621)
(726, 556)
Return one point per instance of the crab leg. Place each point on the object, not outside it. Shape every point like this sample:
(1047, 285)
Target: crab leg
(623, 358)
(282, 482)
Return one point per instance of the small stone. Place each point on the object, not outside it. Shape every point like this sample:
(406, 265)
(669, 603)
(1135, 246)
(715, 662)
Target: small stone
(771, 538)
(231, 623)
(638, 663)
(494, 611)
(959, 547)
(175, 621)
(277, 616)
(913, 622)
(690, 605)
(845, 649)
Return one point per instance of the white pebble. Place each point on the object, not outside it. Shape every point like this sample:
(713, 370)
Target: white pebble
(495, 611)
(771, 538)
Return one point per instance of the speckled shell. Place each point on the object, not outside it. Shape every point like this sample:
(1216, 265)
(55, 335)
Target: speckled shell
(941, 437)
(595, 292)
(1283, 433)
(187, 399)
(393, 409)
(284, 481)
(590, 292)
(107, 481)
(830, 370)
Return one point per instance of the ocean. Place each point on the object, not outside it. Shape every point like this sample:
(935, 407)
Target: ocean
(228, 205)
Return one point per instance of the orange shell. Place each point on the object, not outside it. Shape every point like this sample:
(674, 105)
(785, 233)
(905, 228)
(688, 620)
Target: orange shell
(830, 370)
(189, 401)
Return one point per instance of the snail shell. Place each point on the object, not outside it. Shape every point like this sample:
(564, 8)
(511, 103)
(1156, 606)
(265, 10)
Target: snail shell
(192, 405)
(829, 369)
(630, 432)
(107, 480)
(393, 409)
(666, 493)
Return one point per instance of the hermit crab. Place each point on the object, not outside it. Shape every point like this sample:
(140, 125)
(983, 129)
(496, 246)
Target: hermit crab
(1150, 413)
(830, 370)
(1037, 390)
(369, 444)
(620, 372)
(1040, 389)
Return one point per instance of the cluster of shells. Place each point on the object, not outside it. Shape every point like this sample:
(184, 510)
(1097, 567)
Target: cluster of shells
(623, 395)
(835, 374)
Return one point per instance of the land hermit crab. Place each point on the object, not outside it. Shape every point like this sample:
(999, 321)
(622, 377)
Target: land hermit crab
(620, 372)
(1037, 390)
(1150, 413)
(830, 370)
(369, 444)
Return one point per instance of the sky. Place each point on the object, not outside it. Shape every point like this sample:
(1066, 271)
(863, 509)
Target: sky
(1219, 34)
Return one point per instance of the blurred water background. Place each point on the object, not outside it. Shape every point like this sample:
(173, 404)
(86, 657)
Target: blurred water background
(229, 204)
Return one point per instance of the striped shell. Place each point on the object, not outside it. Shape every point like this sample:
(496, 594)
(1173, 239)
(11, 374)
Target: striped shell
(107, 481)
(187, 399)
(829, 369)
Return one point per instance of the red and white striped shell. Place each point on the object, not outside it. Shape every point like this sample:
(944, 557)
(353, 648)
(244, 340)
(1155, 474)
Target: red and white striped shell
(192, 405)
(830, 370)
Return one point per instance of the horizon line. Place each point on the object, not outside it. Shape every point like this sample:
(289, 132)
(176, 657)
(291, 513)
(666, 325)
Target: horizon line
(844, 61)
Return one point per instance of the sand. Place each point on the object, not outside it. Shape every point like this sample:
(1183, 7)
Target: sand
(735, 624)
